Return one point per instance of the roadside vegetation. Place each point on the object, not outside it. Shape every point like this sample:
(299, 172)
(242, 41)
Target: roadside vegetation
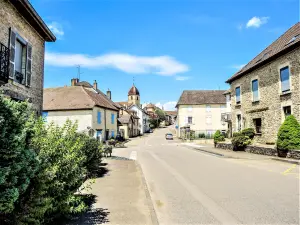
(43, 167)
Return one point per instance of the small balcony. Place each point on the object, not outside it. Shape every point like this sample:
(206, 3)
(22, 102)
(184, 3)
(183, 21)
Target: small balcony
(4, 62)
(226, 117)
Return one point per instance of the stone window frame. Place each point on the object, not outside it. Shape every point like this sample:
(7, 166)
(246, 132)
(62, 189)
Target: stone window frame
(281, 66)
(284, 104)
(252, 97)
(236, 86)
(236, 121)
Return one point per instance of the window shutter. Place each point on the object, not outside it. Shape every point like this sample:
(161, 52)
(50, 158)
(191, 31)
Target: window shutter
(12, 49)
(99, 117)
(28, 65)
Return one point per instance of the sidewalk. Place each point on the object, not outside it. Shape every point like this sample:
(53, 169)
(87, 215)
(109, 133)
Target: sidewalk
(236, 155)
(122, 196)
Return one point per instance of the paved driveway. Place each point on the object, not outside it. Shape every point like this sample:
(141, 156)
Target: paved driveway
(193, 187)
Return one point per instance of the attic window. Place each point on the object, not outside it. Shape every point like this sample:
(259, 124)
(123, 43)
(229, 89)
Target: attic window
(293, 39)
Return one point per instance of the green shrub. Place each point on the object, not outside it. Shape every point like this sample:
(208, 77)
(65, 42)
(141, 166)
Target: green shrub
(218, 137)
(201, 135)
(236, 134)
(18, 163)
(239, 142)
(60, 175)
(249, 132)
(192, 135)
(288, 137)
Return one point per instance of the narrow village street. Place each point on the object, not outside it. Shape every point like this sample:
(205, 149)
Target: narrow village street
(193, 187)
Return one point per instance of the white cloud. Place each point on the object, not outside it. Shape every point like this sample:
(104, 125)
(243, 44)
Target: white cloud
(168, 106)
(161, 65)
(182, 78)
(238, 67)
(256, 22)
(57, 29)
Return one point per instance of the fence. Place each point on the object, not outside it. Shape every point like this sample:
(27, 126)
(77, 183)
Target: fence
(199, 134)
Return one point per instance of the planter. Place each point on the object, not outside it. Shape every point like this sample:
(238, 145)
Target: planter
(282, 153)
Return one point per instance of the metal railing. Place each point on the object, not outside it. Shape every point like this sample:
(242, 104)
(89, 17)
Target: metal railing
(226, 117)
(199, 134)
(4, 64)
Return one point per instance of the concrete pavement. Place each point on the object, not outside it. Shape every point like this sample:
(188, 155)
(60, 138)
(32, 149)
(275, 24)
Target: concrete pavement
(193, 187)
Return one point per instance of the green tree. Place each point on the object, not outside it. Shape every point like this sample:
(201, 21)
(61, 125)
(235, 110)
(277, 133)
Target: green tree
(18, 163)
(248, 132)
(288, 137)
(161, 114)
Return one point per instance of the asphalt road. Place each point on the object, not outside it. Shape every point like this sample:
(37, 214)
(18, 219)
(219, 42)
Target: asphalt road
(192, 187)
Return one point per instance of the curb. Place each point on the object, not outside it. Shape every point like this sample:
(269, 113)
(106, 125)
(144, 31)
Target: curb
(153, 215)
(287, 161)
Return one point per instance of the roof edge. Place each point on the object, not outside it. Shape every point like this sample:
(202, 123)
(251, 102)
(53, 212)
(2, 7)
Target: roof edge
(29, 13)
(258, 65)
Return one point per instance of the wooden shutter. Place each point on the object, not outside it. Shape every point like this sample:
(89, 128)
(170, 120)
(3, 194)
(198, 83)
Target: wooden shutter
(99, 117)
(28, 65)
(12, 49)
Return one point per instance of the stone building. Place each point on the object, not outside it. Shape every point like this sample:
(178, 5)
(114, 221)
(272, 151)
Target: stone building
(268, 88)
(24, 33)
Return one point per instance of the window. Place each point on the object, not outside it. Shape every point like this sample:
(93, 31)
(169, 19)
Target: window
(112, 118)
(255, 96)
(137, 97)
(131, 97)
(285, 79)
(207, 108)
(190, 109)
(99, 135)
(222, 108)
(238, 95)
(99, 117)
(239, 122)
(287, 111)
(45, 115)
(257, 124)
(208, 119)
(190, 120)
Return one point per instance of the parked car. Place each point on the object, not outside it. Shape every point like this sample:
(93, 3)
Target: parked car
(169, 136)
(150, 131)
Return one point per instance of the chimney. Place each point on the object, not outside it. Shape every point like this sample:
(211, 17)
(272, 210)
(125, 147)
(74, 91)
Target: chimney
(74, 81)
(108, 94)
(95, 85)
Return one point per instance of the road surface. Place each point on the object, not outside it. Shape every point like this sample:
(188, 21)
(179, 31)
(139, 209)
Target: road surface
(192, 187)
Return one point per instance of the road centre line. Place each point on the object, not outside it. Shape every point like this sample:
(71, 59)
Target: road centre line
(289, 170)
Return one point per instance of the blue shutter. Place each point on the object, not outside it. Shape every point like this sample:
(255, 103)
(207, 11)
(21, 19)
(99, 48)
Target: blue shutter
(45, 115)
(112, 134)
(99, 117)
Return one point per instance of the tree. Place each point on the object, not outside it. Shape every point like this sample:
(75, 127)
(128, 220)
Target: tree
(288, 137)
(18, 163)
(161, 114)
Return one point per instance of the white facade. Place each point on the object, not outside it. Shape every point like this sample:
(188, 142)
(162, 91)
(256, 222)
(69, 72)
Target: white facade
(144, 119)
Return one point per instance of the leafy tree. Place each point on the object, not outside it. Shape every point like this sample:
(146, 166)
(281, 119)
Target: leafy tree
(218, 137)
(288, 137)
(18, 163)
(161, 114)
(154, 123)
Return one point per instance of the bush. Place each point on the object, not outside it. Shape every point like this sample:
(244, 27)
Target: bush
(64, 163)
(192, 135)
(288, 137)
(18, 163)
(236, 134)
(201, 135)
(218, 137)
(239, 142)
(249, 132)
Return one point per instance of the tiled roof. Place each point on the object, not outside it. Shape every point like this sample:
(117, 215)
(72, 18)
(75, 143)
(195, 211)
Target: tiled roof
(84, 84)
(124, 104)
(133, 91)
(200, 97)
(171, 113)
(285, 43)
(74, 97)
(124, 119)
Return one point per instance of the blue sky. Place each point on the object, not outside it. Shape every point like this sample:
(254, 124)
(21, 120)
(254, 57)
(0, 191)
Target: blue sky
(167, 45)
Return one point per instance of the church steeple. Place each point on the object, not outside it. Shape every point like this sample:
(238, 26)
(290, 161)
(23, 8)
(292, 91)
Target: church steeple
(134, 95)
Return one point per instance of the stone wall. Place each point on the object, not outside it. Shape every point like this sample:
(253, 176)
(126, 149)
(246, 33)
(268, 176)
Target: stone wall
(10, 17)
(294, 154)
(271, 101)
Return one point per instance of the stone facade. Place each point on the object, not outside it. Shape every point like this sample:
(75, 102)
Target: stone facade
(11, 18)
(269, 108)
